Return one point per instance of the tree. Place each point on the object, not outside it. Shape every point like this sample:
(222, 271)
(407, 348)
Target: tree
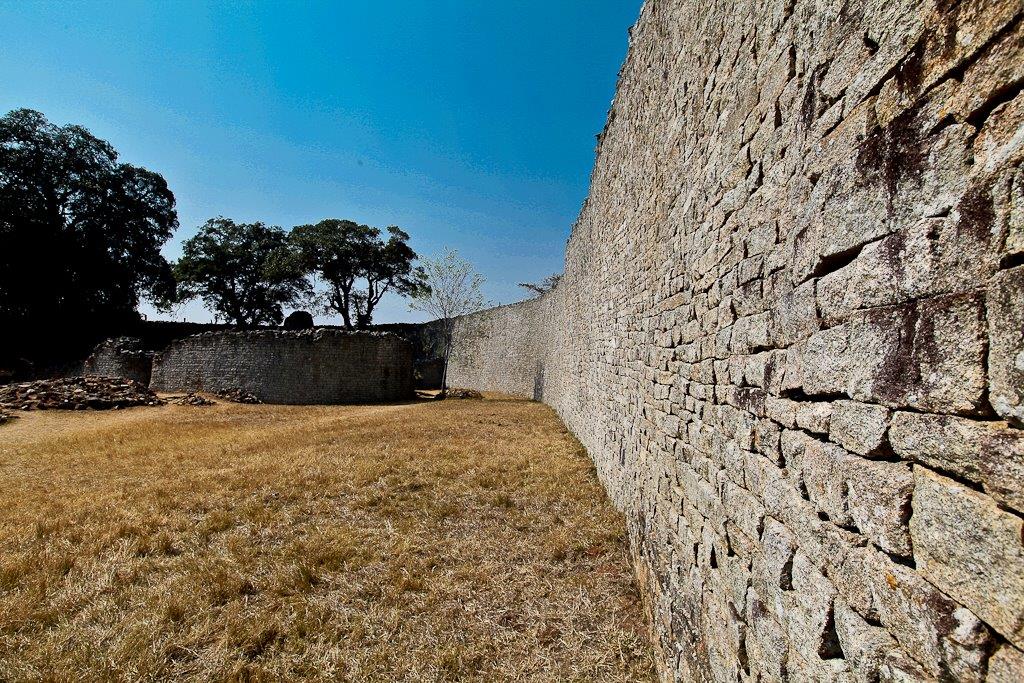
(344, 254)
(544, 286)
(81, 235)
(244, 271)
(388, 267)
(452, 290)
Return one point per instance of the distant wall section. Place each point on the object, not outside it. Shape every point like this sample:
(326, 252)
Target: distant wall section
(308, 367)
(121, 357)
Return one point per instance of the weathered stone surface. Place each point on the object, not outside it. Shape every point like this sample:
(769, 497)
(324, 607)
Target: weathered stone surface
(814, 417)
(1008, 209)
(879, 502)
(874, 496)
(767, 643)
(933, 256)
(968, 547)
(928, 355)
(1006, 665)
(807, 610)
(804, 222)
(122, 357)
(1006, 344)
(864, 646)
(898, 667)
(311, 366)
(947, 640)
(987, 453)
(859, 427)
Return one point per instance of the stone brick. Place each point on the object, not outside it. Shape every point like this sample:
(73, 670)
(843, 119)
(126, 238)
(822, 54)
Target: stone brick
(898, 667)
(796, 316)
(985, 452)
(874, 496)
(968, 547)
(814, 417)
(1006, 344)
(775, 567)
(1008, 201)
(1006, 665)
(767, 643)
(807, 610)
(879, 502)
(947, 640)
(864, 646)
(931, 257)
(928, 355)
(859, 427)
(825, 475)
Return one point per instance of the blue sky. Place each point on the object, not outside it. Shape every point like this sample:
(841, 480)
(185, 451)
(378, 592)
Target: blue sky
(468, 123)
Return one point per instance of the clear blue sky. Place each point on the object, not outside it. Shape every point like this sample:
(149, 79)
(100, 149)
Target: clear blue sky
(468, 123)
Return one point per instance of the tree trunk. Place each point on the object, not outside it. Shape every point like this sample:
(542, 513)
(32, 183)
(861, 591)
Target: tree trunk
(449, 333)
(444, 373)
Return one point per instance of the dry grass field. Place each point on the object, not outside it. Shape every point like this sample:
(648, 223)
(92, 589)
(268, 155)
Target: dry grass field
(434, 541)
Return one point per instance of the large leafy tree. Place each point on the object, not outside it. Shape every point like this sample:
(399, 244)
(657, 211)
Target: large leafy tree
(357, 266)
(388, 268)
(80, 236)
(246, 272)
(335, 250)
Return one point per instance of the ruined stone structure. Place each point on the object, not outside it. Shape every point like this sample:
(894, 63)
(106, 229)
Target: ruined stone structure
(120, 357)
(790, 335)
(318, 366)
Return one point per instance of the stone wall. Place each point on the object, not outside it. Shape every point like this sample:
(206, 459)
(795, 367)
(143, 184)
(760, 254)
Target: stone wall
(120, 357)
(790, 335)
(310, 367)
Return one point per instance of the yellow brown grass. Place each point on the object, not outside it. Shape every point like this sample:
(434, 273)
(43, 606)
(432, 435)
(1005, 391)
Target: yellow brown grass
(453, 540)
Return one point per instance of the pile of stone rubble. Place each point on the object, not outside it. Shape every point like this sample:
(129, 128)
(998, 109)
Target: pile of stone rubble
(460, 393)
(77, 393)
(5, 416)
(238, 396)
(190, 399)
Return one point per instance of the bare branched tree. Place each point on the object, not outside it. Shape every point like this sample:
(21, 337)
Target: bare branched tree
(453, 290)
(544, 286)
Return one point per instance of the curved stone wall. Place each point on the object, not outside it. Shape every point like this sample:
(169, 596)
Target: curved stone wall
(120, 357)
(309, 367)
(789, 335)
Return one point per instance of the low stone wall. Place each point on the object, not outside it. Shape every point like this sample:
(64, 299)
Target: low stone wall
(308, 367)
(121, 357)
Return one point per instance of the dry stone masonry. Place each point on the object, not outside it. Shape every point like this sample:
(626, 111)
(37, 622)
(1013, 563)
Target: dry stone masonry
(318, 366)
(92, 392)
(791, 336)
(121, 357)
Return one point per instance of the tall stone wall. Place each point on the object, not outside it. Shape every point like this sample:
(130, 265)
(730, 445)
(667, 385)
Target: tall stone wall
(790, 334)
(310, 367)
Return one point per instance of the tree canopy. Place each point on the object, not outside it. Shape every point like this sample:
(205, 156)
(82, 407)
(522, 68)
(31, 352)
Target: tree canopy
(246, 272)
(344, 255)
(388, 267)
(81, 233)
